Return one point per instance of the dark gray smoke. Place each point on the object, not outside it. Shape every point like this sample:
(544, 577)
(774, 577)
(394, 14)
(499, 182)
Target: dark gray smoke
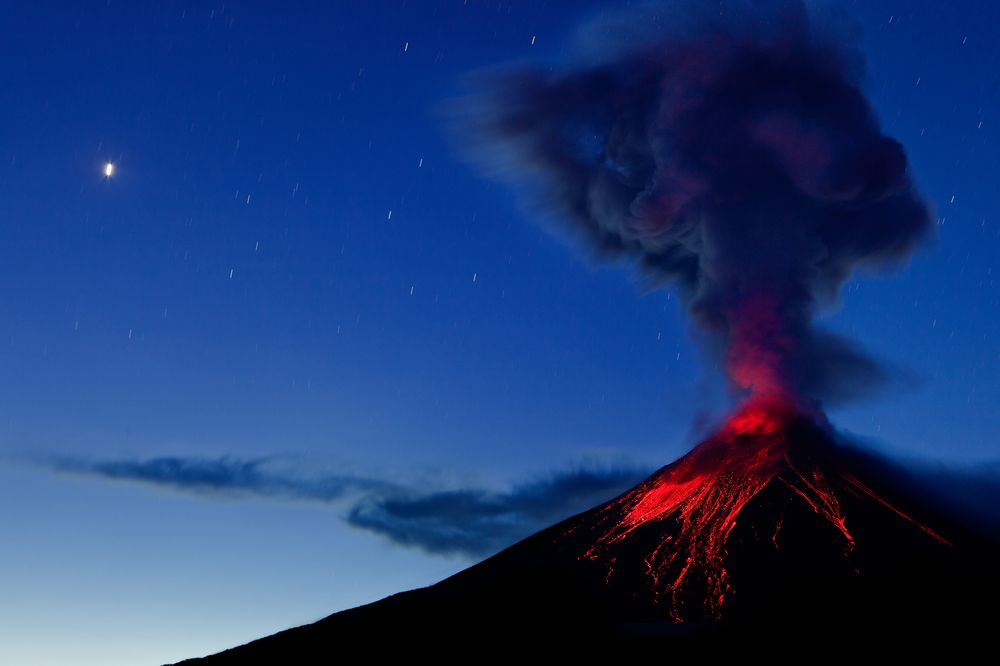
(732, 154)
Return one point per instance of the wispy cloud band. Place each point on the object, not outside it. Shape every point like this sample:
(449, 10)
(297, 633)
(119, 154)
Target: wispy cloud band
(467, 520)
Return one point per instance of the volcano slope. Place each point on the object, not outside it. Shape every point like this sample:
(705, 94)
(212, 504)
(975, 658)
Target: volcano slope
(770, 522)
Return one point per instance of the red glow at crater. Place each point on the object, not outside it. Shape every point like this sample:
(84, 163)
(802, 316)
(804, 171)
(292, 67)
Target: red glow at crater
(759, 417)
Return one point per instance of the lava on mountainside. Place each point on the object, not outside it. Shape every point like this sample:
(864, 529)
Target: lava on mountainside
(697, 501)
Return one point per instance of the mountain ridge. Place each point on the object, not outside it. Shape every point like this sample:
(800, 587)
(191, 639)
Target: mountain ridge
(770, 521)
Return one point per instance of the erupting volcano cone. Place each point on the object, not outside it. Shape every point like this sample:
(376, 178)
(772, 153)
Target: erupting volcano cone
(770, 487)
(768, 520)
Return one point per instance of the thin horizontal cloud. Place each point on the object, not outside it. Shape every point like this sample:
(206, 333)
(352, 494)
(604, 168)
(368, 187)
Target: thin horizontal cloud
(229, 476)
(479, 522)
(467, 521)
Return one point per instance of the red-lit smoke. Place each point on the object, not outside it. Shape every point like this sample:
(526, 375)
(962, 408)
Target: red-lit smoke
(760, 347)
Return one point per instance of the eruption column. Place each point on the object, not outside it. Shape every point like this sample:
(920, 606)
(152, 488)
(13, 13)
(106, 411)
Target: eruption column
(732, 155)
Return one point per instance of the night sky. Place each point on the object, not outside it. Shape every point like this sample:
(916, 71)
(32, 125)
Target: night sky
(294, 308)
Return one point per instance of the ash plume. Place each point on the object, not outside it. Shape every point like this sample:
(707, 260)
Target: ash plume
(732, 154)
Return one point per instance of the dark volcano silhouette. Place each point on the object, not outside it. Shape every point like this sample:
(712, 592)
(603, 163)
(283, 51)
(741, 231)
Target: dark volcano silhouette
(771, 522)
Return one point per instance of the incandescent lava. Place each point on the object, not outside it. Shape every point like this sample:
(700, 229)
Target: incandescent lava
(683, 516)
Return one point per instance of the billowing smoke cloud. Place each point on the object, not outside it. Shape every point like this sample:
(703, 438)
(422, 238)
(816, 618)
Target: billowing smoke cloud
(729, 151)
(459, 520)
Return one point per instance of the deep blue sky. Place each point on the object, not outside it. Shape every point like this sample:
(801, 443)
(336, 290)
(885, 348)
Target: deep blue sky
(240, 288)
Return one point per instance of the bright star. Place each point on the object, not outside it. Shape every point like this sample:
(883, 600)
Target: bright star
(109, 169)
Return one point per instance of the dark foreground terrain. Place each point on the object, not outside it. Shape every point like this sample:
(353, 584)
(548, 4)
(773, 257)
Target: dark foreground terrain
(770, 531)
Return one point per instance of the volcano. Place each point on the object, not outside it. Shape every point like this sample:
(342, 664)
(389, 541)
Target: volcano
(773, 521)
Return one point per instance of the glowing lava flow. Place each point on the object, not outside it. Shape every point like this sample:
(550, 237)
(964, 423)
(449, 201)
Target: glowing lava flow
(697, 501)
